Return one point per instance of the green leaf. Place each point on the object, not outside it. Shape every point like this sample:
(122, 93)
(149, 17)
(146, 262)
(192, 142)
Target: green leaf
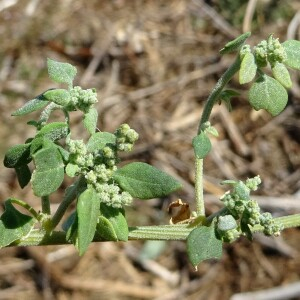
(292, 49)
(72, 170)
(88, 205)
(203, 244)
(13, 225)
(49, 172)
(267, 93)
(201, 145)
(59, 96)
(61, 72)
(226, 96)
(144, 181)
(90, 120)
(226, 223)
(17, 156)
(235, 44)
(248, 68)
(54, 131)
(105, 230)
(282, 75)
(99, 140)
(32, 105)
(112, 224)
(23, 175)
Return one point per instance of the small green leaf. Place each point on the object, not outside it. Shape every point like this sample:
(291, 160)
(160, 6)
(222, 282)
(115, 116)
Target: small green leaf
(282, 75)
(54, 131)
(267, 93)
(49, 172)
(117, 220)
(99, 140)
(292, 49)
(235, 44)
(23, 175)
(248, 68)
(201, 145)
(72, 170)
(90, 120)
(61, 72)
(203, 244)
(59, 96)
(32, 105)
(13, 225)
(17, 156)
(143, 181)
(226, 96)
(88, 205)
(105, 230)
(226, 223)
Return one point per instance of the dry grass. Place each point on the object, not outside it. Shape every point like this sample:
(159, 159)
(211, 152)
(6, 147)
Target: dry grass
(153, 64)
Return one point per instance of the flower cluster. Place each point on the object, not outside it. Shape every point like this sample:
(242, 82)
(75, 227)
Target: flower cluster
(83, 99)
(241, 207)
(126, 137)
(98, 167)
(269, 51)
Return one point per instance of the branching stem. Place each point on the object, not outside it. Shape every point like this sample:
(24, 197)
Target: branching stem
(212, 99)
(164, 232)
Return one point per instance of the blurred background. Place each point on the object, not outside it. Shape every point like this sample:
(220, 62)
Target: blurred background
(153, 64)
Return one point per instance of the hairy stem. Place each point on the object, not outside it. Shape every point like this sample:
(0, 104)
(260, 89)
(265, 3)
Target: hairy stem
(200, 208)
(70, 195)
(163, 232)
(212, 99)
(27, 207)
(46, 205)
(215, 93)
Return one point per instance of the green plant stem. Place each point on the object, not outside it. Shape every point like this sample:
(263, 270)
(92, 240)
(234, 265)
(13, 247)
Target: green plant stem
(27, 207)
(46, 205)
(212, 99)
(215, 93)
(70, 196)
(164, 232)
(200, 208)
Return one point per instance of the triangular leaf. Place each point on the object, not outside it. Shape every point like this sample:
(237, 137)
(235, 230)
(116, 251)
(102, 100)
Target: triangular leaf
(90, 120)
(59, 96)
(292, 49)
(282, 75)
(35, 104)
(235, 44)
(49, 172)
(13, 225)
(99, 140)
(143, 181)
(267, 93)
(201, 145)
(203, 244)
(248, 68)
(61, 72)
(87, 208)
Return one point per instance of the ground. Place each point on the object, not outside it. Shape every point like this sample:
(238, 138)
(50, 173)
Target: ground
(153, 64)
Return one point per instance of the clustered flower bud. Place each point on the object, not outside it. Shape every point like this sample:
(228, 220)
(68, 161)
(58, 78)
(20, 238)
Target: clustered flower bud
(98, 167)
(241, 207)
(82, 99)
(126, 137)
(269, 51)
